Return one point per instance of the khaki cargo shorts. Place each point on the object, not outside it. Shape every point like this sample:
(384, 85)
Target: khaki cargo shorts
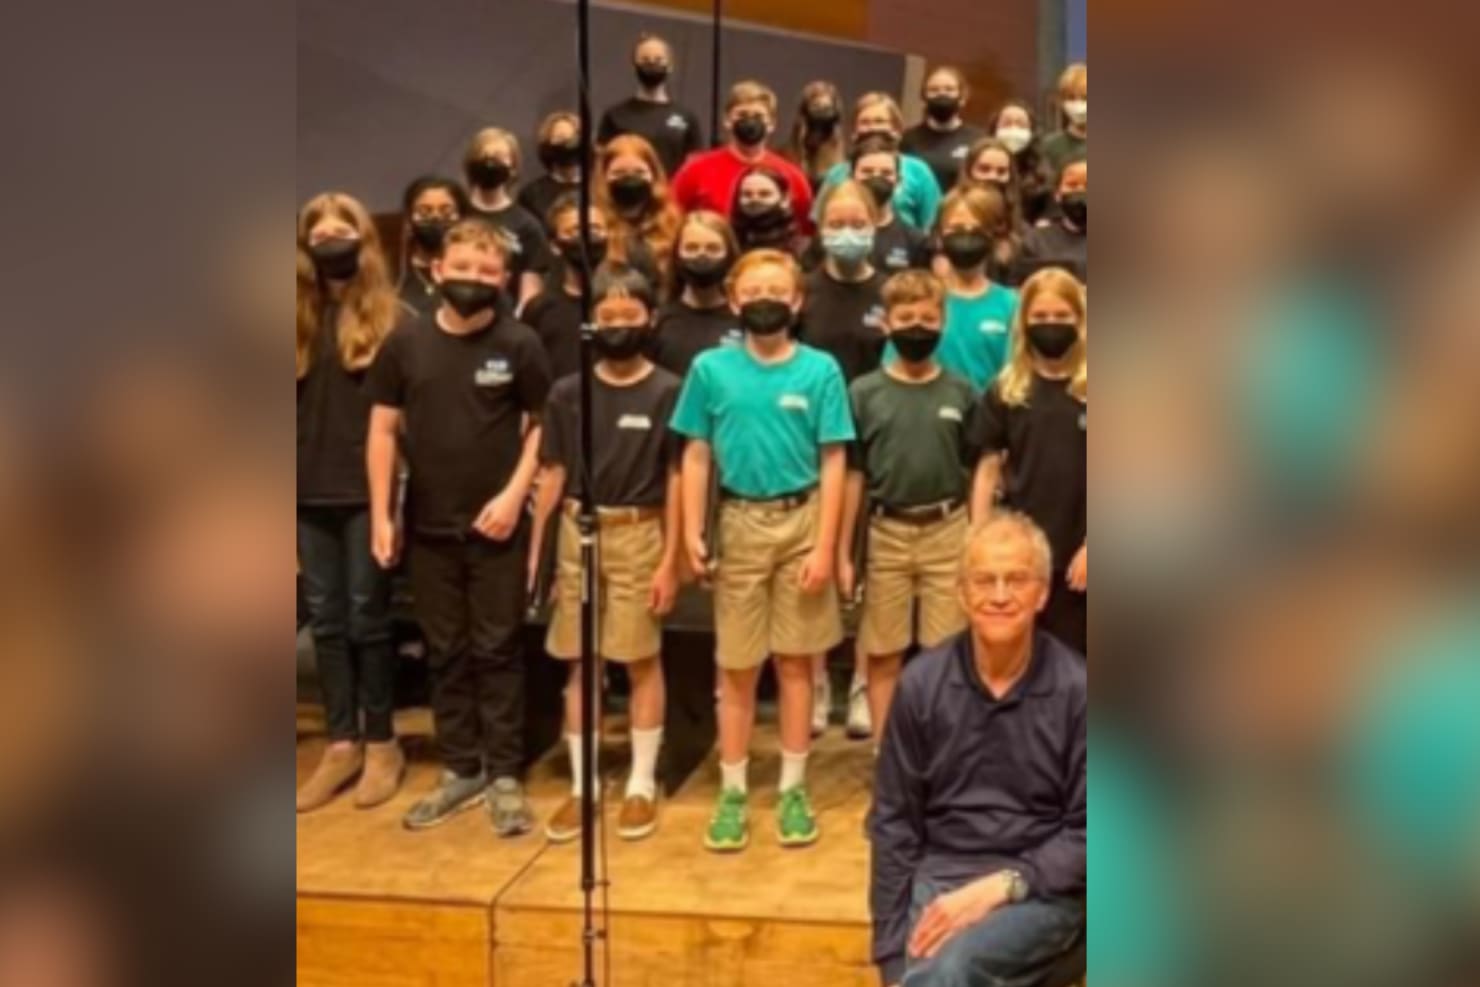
(627, 559)
(906, 563)
(759, 606)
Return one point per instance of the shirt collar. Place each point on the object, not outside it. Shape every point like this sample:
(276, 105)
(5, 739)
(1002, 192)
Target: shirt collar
(1037, 681)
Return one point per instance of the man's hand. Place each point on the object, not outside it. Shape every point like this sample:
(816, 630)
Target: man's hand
(385, 542)
(950, 913)
(664, 591)
(499, 517)
(817, 569)
(1079, 569)
(847, 577)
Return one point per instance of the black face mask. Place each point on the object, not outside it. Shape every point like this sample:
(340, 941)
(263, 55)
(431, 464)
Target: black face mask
(554, 156)
(915, 343)
(966, 250)
(428, 233)
(704, 272)
(1076, 208)
(619, 344)
(822, 122)
(570, 252)
(749, 131)
(765, 317)
(881, 188)
(468, 297)
(763, 219)
(651, 76)
(489, 173)
(631, 191)
(1052, 340)
(337, 259)
(942, 108)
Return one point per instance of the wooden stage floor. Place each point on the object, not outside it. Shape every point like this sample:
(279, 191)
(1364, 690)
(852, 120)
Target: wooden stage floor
(457, 907)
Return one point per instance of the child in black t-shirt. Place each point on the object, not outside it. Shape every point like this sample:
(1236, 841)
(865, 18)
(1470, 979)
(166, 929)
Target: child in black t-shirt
(638, 535)
(1034, 417)
(555, 313)
(700, 316)
(491, 164)
(463, 391)
(430, 205)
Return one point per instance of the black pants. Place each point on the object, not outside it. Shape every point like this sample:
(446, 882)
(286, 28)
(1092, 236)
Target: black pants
(1066, 616)
(469, 596)
(348, 600)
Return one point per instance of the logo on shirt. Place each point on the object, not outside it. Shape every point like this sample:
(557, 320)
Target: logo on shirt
(950, 414)
(993, 327)
(897, 257)
(1082, 416)
(641, 423)
(960, 152)
(874, 318)
(677, 122)
(511, 241)
(793, 402)
(732, 337)
(495, 371)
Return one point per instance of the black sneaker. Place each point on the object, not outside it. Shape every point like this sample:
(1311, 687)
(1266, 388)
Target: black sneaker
(455, 794)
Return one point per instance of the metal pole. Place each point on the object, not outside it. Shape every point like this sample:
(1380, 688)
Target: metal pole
(716, 131)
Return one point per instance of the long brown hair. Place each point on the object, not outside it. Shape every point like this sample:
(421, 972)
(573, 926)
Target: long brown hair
(657, 227)
(368, 307)
(816, 159)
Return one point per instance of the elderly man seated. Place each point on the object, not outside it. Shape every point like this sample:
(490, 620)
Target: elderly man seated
(978, 823)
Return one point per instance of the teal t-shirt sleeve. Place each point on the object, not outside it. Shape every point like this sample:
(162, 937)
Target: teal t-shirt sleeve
(835, 174)
(692, 416)
(925, 190)
(834, 416)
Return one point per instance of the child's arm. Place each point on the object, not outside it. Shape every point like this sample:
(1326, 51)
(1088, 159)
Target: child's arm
(500, 516)
(985, 485)
(665, 580)
(547, 494)
(697, 462)
(852, 502)
(818, 568)
(380, 467)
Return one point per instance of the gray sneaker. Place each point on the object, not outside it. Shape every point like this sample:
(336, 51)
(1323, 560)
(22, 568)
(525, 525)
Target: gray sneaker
(508, 809)
(453, 795)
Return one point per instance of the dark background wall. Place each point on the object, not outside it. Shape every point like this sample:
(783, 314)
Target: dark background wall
(389, 89)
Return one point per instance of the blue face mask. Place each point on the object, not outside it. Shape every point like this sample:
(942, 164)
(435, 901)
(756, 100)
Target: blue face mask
(849, 246)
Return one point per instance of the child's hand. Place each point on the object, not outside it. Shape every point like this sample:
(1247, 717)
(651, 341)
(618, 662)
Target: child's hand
(385, 542)
(817, 571)
(499, 517)
(698, 556)
(847, 577)
(1079, 569)
(532, 570)
(664, 591)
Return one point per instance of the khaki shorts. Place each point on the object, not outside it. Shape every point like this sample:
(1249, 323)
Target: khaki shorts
(908, 562)
(627, 558)
(759, 606)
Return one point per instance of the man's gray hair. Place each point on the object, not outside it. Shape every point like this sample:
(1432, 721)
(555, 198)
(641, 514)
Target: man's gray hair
(991, 526)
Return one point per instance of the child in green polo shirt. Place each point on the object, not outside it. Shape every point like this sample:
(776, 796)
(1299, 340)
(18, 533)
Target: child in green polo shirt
(772, 417)
(912, 461)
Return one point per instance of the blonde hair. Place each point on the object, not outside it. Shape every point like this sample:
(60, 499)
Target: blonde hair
(751, 91)
(657, 226)
(553, 120)
(368, 308)
(961, 84)
(869, 100)
(848, 187)
(714, 223)
(1074, 81)
(986, 204)
(480, 234)
(909, 287)
(760, 258)
(1015, 382)
(474, 151)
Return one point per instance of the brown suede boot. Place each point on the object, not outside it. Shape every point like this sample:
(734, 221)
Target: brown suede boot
(336, 768)
(385, 765)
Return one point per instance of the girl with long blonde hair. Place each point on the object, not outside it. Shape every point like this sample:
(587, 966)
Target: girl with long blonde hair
(1032, 430)
(347, 306)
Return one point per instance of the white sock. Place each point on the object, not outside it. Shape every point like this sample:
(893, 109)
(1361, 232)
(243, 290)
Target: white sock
(643, 780)
(793, 770)
(733, 775)
(573, 744)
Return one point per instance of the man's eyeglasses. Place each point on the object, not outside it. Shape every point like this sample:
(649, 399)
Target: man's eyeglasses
(1016, 582)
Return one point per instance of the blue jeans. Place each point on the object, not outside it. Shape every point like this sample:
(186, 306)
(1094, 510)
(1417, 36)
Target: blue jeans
(348, 598)
(1027, 944)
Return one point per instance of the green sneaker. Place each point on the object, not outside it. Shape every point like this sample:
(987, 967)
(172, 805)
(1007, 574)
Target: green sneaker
(729, 827)
(795, 823)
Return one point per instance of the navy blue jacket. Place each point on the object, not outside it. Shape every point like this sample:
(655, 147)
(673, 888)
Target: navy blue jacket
(969, 785)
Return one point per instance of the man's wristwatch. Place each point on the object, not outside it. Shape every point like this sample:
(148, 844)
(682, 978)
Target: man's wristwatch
(1017, 886)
